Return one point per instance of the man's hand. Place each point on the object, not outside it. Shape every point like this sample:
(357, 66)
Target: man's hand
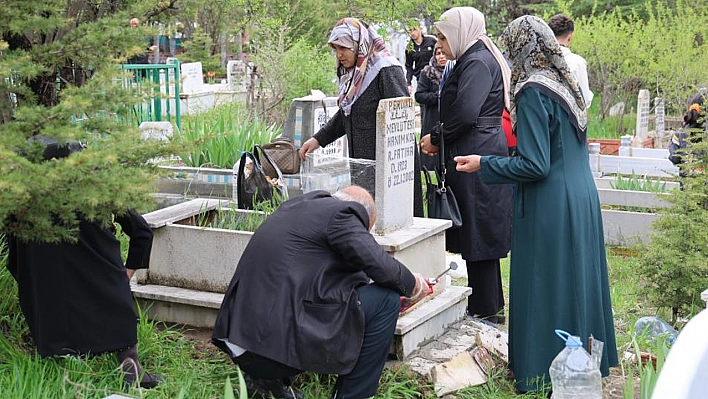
(130, 273)
(468, 163)
(421, 290)
(310, 145)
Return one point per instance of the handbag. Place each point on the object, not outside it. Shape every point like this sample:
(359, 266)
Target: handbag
(441, 200)
(254, 185)
(284, 154)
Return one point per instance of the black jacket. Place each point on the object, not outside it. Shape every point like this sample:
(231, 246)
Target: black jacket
(419, 56)
(293, 296)
(471, 103)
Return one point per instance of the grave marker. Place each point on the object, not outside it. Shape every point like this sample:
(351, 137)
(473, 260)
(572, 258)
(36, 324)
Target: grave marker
(193, 81)
(642, 115)
(659, 117)
(395, 166)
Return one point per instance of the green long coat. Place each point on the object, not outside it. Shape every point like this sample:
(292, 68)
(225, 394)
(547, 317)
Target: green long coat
(558, 263)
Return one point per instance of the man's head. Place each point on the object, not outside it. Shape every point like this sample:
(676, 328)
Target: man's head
(360, 195)
(134, 23)
(415, 33)
(563, 28)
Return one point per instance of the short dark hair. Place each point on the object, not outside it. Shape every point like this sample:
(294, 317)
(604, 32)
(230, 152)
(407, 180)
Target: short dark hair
(561, 25)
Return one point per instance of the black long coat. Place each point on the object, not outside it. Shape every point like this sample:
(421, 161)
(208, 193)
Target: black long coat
(293, 296)
(471, 104)
(360, 128)
(76, 297)
(426, 94)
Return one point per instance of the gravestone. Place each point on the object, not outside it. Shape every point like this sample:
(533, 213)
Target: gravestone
(642, 115)
(659, 116)
(237, 75)
(192, 79)
(171, 72)
(395, 165)
(161, 131)
(617, 109)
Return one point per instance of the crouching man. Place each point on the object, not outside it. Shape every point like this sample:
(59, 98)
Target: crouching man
(314, 291)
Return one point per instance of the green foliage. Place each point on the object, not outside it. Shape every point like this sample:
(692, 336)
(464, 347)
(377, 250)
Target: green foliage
(218, 137)
(673, 267)
(662, 52)
(200, 49)
(55, 41)
(312, 68)
(636, 183)
(233, 218)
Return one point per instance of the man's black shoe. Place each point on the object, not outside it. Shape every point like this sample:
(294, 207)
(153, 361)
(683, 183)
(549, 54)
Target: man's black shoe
(267, 389)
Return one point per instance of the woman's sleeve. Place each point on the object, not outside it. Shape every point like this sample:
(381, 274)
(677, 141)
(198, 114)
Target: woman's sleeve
(423, 93)
(474, 85)
(332, 130)
(140, 233)
(533, 144)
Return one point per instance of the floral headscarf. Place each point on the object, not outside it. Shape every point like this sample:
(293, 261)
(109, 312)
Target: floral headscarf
(372, 56)
(463, 27)
(538, 60)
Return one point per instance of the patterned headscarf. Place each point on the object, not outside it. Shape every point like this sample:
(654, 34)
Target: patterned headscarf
(463, 27)
(372, 56)
(537, 59)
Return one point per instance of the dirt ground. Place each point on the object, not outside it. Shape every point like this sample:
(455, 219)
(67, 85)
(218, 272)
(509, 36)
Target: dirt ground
(201, 337)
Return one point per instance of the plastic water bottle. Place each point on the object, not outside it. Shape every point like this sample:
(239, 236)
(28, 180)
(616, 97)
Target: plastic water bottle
(651, 327)
(574, 373)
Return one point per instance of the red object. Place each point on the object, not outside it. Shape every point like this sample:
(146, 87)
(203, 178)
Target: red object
(508, 129)
(405, 304)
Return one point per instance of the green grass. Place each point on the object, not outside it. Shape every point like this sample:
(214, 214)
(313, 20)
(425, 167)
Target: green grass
(195, 369)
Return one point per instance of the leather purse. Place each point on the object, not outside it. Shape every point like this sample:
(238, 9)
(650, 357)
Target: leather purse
(284, 154)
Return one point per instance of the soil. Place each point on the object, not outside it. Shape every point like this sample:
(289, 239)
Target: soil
(203, 348)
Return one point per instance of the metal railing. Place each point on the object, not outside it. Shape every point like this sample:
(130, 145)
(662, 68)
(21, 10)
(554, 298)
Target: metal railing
(165, 102)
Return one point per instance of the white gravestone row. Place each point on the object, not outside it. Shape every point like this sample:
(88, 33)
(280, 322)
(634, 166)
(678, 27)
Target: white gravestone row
(395, 165)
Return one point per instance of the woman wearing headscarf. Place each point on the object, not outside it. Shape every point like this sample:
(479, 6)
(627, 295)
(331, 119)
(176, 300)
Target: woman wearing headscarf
(367, 73)
(472, 98)
(426, 94)
(558, 264)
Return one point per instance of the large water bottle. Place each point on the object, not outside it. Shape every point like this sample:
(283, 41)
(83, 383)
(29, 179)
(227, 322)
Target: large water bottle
(574, 374)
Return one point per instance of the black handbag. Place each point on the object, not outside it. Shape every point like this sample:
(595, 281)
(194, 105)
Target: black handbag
(441, 200)
(254, 185)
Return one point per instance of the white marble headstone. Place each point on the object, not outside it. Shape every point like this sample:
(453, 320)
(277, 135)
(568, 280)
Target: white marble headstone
(395, 164)
(192, 77)
(642, 114)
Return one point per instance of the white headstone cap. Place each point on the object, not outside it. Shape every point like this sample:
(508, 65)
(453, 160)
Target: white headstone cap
(156, 130)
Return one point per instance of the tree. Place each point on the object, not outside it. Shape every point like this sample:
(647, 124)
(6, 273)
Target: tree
(59, 63)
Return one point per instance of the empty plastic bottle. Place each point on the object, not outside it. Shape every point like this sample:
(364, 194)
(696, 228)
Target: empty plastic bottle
(574, 374)
(651, 327)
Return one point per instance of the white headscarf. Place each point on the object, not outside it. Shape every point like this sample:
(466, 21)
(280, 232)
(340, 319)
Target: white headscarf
(463, 27)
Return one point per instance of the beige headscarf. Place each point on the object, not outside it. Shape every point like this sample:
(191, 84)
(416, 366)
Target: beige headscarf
(463, 27)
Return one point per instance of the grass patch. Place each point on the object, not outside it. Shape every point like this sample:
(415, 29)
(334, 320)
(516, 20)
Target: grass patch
(196, 369)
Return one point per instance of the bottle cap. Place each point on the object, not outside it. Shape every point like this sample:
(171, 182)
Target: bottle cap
(571, 341)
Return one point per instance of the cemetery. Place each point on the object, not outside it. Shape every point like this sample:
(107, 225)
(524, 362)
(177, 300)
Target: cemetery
(169, 137)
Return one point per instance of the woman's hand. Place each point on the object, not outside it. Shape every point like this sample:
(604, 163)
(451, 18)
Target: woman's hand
(426, 147)
(468, 163)
(310, 145)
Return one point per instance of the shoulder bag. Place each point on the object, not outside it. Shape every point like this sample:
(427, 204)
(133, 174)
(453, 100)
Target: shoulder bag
(441, 200)
(284, 155)
(254, 185)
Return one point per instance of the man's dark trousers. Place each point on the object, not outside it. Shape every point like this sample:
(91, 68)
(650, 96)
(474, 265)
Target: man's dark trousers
(381, 307)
